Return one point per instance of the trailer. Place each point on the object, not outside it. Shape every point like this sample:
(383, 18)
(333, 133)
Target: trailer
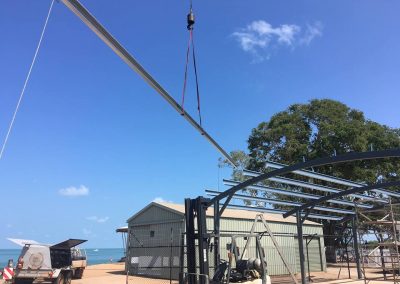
(57, 263)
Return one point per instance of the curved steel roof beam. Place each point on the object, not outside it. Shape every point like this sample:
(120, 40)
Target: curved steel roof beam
(282, 202)
(277, 211)
(313, 186)
(354, 156)
(311, 204)
(328, 178)
(295, 194)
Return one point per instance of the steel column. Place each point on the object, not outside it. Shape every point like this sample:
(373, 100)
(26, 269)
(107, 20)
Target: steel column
(301, 247)
(356, 248)
(202, 238)
(190, 241)
(217, 250)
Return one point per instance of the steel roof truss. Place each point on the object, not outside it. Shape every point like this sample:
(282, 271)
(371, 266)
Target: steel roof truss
(296, 194)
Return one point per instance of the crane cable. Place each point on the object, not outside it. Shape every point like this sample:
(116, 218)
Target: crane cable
(26, 81)
(190, 24)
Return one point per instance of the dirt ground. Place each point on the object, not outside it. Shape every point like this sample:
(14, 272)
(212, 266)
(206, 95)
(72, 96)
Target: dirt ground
(336, 274)
(103, 273)
(114, 273)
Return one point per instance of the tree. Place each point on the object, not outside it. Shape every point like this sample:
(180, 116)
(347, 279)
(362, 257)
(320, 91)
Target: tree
(323, 128)
(318, 129)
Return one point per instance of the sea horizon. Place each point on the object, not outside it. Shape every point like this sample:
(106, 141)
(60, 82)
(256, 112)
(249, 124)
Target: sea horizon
(94, 255)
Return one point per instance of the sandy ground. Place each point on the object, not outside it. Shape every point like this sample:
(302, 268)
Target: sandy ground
(103, 273)
(114, 273)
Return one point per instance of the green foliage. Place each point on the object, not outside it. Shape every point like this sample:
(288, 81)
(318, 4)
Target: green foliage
(322, 128)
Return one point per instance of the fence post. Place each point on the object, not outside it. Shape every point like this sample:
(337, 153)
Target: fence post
(170, 256)
(181, 258)
(127, 255)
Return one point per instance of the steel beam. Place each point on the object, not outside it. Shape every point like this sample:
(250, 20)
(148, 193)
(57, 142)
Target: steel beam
(89, 20)
(341, 194)
(328, 178)
(354, 156)
(278, 211)
(295, 194)
(282, 202)
(313, 186)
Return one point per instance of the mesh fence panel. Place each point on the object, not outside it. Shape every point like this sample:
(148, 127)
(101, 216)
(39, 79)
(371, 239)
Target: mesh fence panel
(154, 258)
(164, 259)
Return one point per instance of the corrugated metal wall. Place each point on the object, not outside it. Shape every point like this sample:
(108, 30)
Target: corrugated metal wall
(153, 246)
(161, 221)
(288, 244)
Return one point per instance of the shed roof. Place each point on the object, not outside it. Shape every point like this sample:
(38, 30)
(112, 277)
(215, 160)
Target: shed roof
(228, 213)
(123, 229)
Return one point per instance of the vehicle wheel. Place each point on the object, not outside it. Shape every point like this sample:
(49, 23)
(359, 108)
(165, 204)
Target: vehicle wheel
(59, 279)
(79, 273)
(68, 277)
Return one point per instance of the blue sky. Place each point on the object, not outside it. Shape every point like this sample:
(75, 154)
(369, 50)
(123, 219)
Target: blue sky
(88, 125)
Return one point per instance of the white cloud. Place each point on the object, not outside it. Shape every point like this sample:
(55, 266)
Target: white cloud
(311, 32)
(98, 219)
(161, 200)
(74, 191)
(260, 37)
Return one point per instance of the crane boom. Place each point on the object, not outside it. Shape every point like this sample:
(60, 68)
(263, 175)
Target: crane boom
(78, 9)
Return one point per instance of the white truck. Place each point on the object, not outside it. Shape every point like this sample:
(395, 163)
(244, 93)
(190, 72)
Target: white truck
(56, 263)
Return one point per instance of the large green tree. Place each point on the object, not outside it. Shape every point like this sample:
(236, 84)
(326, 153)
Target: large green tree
(324, 128)
(318, 129)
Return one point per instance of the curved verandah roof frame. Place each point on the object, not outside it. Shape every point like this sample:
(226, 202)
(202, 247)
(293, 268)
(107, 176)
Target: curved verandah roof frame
(310, 205)
(349, 157)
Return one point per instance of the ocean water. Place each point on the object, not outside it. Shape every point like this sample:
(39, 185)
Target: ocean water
(94, 256)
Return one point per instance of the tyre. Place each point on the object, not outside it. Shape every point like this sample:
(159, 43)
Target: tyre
(59, 279)
(79, 273)
(68, 277)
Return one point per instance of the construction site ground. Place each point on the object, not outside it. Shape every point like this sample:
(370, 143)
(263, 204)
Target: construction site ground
(114, 273)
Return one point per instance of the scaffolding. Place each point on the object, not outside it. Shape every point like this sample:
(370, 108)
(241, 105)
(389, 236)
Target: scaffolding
(378, 235)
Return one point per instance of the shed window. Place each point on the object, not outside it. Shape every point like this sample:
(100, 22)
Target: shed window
(151, 234)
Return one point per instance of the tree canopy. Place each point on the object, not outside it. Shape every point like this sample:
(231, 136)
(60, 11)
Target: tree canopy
(318, 129)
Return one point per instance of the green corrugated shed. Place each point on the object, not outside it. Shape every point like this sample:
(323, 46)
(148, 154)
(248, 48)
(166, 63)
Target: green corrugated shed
(156, 230)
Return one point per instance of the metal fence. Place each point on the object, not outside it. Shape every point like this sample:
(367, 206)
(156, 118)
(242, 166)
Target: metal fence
(163, 260)
(154, 259)
(162, 263)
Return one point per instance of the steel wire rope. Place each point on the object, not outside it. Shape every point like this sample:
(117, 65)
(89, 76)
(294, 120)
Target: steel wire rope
(26, 81)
